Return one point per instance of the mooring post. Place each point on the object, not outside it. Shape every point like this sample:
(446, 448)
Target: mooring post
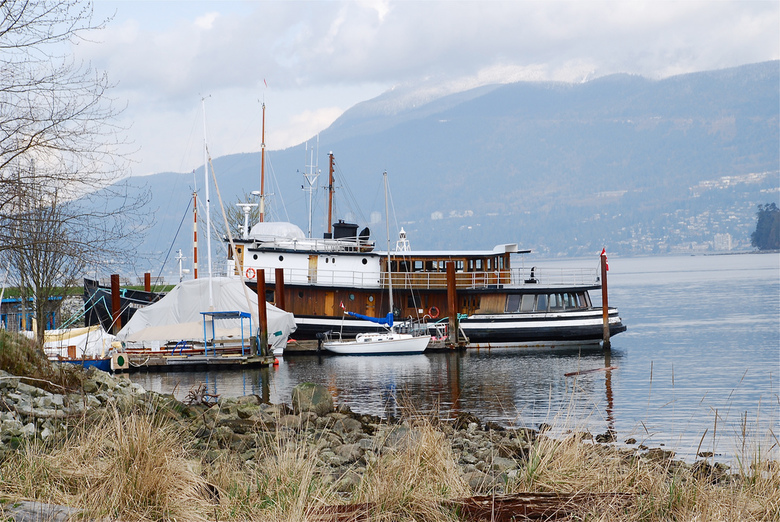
(116, 304)
(262, 345)
(147, 281)
(279, 294)
(604, 300)
(452, 305)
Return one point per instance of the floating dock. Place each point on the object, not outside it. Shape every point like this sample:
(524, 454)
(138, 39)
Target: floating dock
(166, 362)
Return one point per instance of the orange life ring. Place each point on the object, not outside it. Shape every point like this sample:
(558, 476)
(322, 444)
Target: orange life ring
(250, 273)
(433, 312)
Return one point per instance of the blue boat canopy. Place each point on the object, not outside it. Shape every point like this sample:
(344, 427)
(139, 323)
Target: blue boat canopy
(388, 319)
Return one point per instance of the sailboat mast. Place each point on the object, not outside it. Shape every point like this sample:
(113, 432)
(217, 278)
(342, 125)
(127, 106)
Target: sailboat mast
(208, 213)
(262, 170)
(330, 193)
(195, 235)
(389, 271)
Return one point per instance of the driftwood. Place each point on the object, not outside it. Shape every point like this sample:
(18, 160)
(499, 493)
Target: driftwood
(494, 508)
(533, 506)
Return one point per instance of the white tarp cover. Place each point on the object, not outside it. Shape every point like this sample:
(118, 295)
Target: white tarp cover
(91, 342)
(177, 316)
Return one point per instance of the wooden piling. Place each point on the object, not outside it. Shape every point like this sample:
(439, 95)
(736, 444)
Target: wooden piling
(116, 304)
(452, 306)
(147, 282)
(279, 294)
(604, 300)
(261, 313)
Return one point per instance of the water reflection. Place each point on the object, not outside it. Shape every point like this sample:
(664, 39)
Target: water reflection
(513, 387)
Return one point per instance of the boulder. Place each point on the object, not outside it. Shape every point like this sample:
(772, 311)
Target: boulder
(312, 397)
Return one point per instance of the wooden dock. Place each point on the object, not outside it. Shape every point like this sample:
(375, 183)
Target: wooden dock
(165, 362)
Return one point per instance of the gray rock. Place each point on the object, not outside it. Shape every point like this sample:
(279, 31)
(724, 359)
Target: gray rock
(28, 430)
(347, 426)
(350, 452)
(308, 396)
(501, 464)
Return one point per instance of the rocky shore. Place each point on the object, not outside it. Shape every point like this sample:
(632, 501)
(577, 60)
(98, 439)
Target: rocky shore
(487, 457)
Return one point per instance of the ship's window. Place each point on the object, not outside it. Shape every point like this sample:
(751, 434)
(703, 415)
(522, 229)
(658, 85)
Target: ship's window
(471, 265)
(281, 258)
(300, 294)
(527, 305)
(430, 266)
(269, 296)
(371, 299)
(556, 302)
(459, 265)
(254, 256)
(333, 260)
(365, 261)
(513, 303)
(478, 265)
(500, 263)
(442, 266)
(326, 259)
(418, 266)
(351, 297)
(404, 266)
(584, 299)
(410, 301)
(488, 262)
(541, 303)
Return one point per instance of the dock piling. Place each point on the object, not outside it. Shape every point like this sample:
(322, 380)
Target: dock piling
(261, 313)
(452, 306)
(279, 295)
(116, 304)
(604, 300)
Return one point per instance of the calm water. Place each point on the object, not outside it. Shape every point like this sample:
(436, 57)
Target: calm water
(698, 365)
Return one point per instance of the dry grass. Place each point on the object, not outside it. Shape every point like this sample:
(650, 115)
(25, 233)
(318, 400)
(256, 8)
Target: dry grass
(411, 481)
(663, 489)
(130, 467)
(139, 466)
(283, 482)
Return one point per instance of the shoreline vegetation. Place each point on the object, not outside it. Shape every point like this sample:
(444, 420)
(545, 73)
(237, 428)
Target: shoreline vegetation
(108, 449)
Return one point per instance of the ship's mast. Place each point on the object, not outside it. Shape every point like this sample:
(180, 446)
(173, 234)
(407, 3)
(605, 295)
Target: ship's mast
(328, 231)
(262, 170)
(208, 214)
(389, 271)
(311, 178)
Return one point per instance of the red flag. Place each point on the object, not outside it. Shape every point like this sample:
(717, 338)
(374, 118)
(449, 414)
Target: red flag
(342, 305)
(606, 263)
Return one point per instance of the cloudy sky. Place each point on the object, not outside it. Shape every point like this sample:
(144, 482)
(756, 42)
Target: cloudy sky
(312, 60)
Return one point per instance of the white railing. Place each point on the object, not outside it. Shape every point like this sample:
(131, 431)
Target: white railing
(516, 277)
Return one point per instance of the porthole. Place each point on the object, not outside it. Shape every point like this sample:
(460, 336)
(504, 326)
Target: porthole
(333, 260)
(351, 297)
(300, 294)
(365, 261)
(254, 256)
(371, 299)
(281, 258)
(326, 260)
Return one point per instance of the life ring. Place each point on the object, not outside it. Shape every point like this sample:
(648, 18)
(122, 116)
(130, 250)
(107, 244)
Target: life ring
(250, 273)
(433, 312)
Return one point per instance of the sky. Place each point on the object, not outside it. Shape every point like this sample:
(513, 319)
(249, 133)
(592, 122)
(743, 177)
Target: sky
(309, 61)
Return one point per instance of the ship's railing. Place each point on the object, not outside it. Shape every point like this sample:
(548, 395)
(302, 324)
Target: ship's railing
(515, 277)
(350, 244)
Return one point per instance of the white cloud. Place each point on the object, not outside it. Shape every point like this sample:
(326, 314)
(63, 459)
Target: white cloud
(320, 58)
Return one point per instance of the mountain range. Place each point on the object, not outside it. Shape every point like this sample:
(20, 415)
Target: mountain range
(624, 162)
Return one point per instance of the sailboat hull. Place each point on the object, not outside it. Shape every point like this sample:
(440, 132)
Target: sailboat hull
(379, 344)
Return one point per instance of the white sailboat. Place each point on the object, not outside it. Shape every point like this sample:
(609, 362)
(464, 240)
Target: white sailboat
(389, 342)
